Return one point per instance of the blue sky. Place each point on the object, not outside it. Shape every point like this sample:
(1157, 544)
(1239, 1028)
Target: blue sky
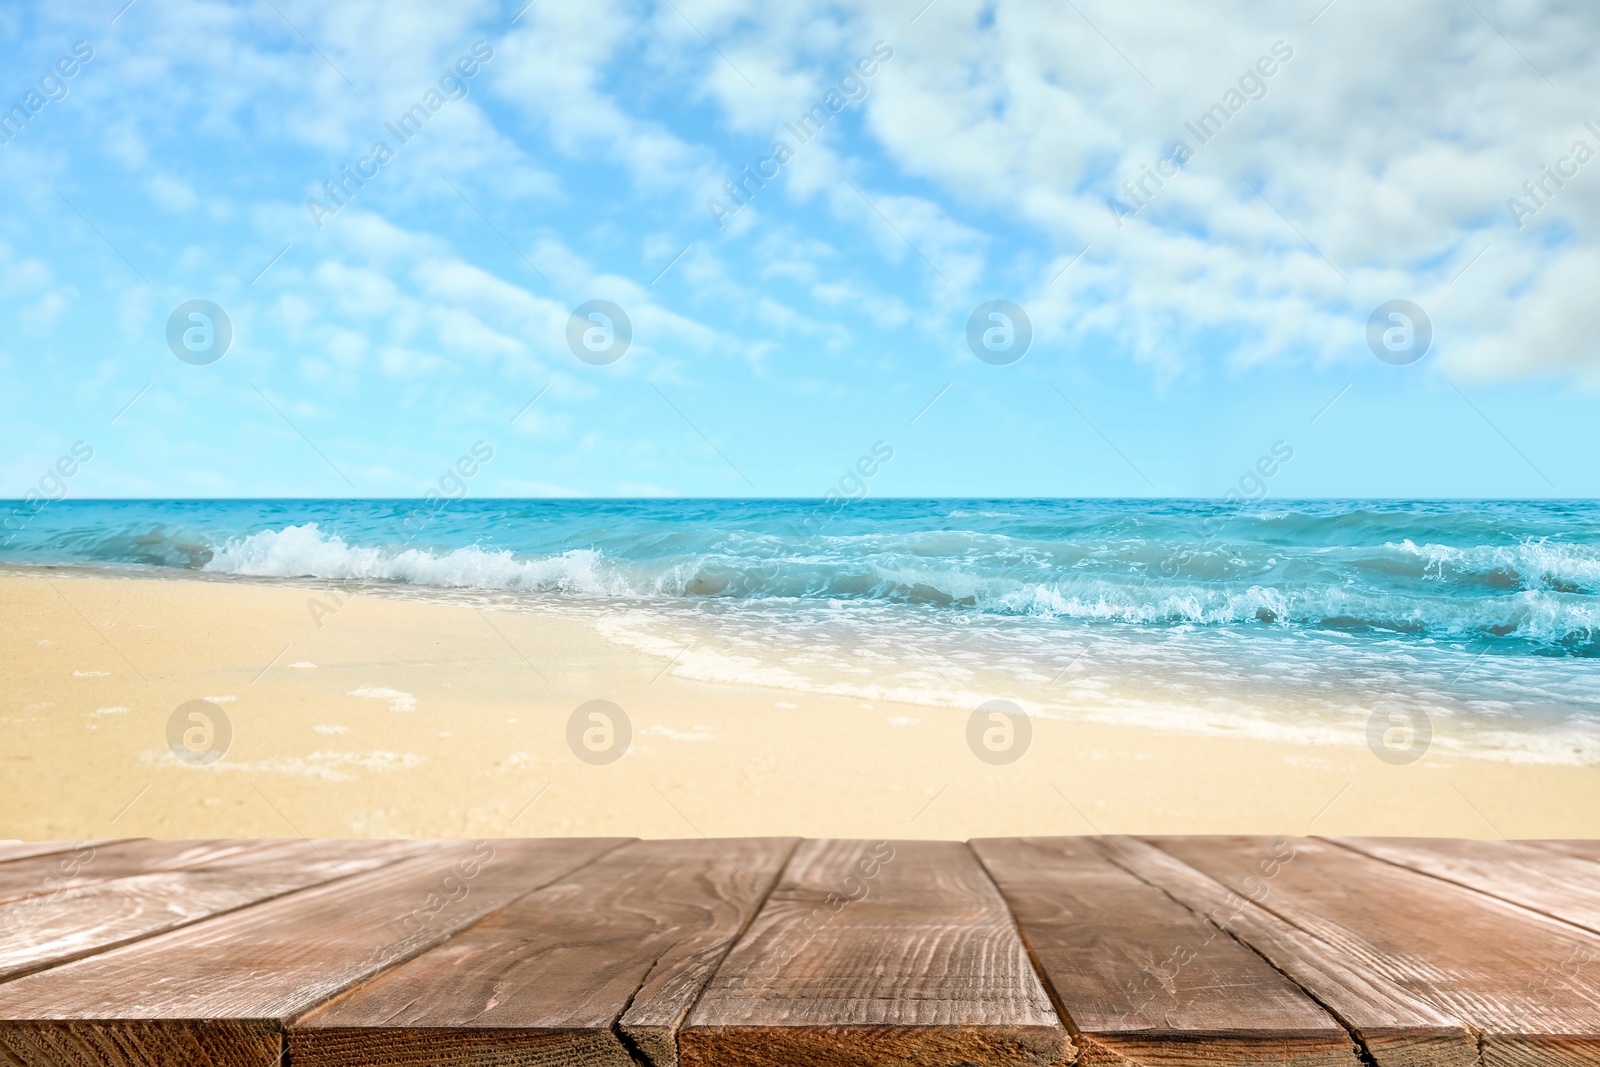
(1173, 345)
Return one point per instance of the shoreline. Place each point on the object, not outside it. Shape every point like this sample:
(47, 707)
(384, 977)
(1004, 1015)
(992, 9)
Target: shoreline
(422, 718)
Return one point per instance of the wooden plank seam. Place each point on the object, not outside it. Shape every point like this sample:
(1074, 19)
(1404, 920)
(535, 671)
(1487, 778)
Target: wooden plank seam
(1236, 905)
(1073, 1032)
(918, 965)
(1387, 1025)
(1091, 923)
(661, 1055)
(594, 968)
(1469, 954)
(1567, 971)
(1383, 953)
(1183, 954)
(208, 993)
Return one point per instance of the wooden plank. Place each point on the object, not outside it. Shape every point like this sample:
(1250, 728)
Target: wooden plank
(1394, 1027)
(89, 864)
(876, 953)
(21, 850)
(218, 992)
(1556, 885)
(667, 994)
(548, 978)
(1583, 850)
(1144, 980)
(1501, 969)
(78, 921)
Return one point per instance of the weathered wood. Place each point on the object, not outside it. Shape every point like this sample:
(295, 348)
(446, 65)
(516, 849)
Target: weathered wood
(673, 985)
(229, 983)
(1162, 951)
(21, 850)
(548, 978)
(1560, 886)
(88, 864)
(1395, 1027)
(43, 931)
(1506, 972)
(1583, 850)
(1143, 979)
(870, 953)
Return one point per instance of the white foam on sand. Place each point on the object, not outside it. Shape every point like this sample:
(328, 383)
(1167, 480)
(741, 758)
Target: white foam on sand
(398, 701)
(699, 733)
(327, 766)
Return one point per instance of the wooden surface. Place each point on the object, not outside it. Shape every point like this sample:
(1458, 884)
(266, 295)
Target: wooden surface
(1583, 850)
(77, 921)
(1158, 951)
(884, 951)
(1141, 975)
(549, 977)
(1395, 1027)
(1560, 886)
(225, 986)
(88, 863)
(1503, 970)
(16, 850)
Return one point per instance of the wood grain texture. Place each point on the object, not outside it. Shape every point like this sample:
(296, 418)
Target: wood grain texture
(1560, 886)
(88, 864)
(1141, 978)
(1162, 951)
(1509, 974)
(1395, 1027)
(230, 982)
(547, 979)
(673, 985)
(1583, 850)
(43, 931)
(201, 1043)
(21, 850)
(877, 952)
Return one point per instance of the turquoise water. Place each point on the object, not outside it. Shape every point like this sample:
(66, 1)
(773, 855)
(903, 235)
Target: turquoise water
(1279, 619)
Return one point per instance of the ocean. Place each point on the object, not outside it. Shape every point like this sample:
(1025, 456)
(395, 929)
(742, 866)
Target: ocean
(1288, 620)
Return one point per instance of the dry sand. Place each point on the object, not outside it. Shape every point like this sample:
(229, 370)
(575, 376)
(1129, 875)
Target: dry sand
(473, 740)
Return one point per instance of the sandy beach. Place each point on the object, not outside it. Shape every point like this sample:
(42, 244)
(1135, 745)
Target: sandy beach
(402, 718)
